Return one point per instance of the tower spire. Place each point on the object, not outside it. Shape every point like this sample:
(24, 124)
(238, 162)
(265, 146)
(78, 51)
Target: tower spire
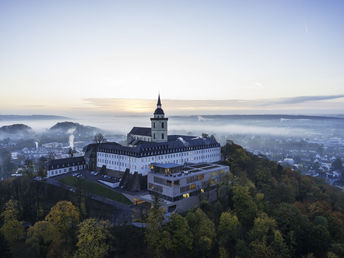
(159, 102)
(159, 132)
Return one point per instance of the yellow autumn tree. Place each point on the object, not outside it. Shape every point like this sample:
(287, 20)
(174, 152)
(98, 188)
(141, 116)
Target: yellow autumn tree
(42, 236)
(93, 239)
(64, 216)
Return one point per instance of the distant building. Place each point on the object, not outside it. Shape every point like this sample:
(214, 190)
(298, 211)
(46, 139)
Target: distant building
(139, 134)
(288, 162)
(14, 155)
(153, 145)
(61, 166)
(18, 173)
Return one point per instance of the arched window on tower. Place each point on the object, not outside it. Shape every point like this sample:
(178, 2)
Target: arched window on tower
(162, 136)
(153, 135)
(153, 124)
(162, 125)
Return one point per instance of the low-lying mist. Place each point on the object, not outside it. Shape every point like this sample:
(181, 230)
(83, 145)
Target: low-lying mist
(277, 126)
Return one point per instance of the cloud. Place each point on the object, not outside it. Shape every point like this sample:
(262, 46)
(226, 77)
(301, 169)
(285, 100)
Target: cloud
(302, 99)
(229, 106)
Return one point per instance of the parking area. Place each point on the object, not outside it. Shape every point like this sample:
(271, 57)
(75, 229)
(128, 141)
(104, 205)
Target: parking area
(108, 181)
(96, 176)
(101, 188)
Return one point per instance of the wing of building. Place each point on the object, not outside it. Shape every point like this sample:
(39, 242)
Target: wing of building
(61, 166)
(148, 145)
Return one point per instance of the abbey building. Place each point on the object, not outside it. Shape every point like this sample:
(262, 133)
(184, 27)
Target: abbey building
(147, 146)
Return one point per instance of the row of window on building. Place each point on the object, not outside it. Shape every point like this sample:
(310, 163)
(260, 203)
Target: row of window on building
(180, 154)
(61, 171)
(161, 160)
(162, 157)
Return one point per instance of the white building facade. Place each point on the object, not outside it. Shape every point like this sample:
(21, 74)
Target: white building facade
(62, 166)
(120, 162)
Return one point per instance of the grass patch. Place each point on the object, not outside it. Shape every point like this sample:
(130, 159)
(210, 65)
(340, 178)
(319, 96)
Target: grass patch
(95, 188)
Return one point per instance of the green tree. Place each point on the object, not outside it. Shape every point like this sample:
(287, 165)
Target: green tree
(12, 229)
(279, 246)
(265, 238)
(180, 235)
(295, 228)
(260, 249)
(242, 250)
(228, 231)
(263, 227)
(153, 232)
(203, 230)
(244, 205)
(320, 239)
(93, 238)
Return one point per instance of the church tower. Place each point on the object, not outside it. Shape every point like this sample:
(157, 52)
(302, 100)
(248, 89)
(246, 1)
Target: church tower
(159, 124)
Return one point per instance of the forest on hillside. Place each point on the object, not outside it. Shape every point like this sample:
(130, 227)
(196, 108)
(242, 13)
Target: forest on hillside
(262, 210)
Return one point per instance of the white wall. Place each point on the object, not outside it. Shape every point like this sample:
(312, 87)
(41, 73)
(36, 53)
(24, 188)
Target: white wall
(142, 164)
(60, 171)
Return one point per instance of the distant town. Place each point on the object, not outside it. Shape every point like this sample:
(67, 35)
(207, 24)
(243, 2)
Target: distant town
(316, 157)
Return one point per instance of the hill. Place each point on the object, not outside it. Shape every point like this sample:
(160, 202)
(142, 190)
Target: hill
(16, 131)
(79, 130)
(262, 210)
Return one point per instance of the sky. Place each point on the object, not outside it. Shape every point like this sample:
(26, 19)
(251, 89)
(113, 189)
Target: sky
(204, 57)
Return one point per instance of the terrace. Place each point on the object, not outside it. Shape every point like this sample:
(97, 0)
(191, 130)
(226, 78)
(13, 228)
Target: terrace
(175, 170)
